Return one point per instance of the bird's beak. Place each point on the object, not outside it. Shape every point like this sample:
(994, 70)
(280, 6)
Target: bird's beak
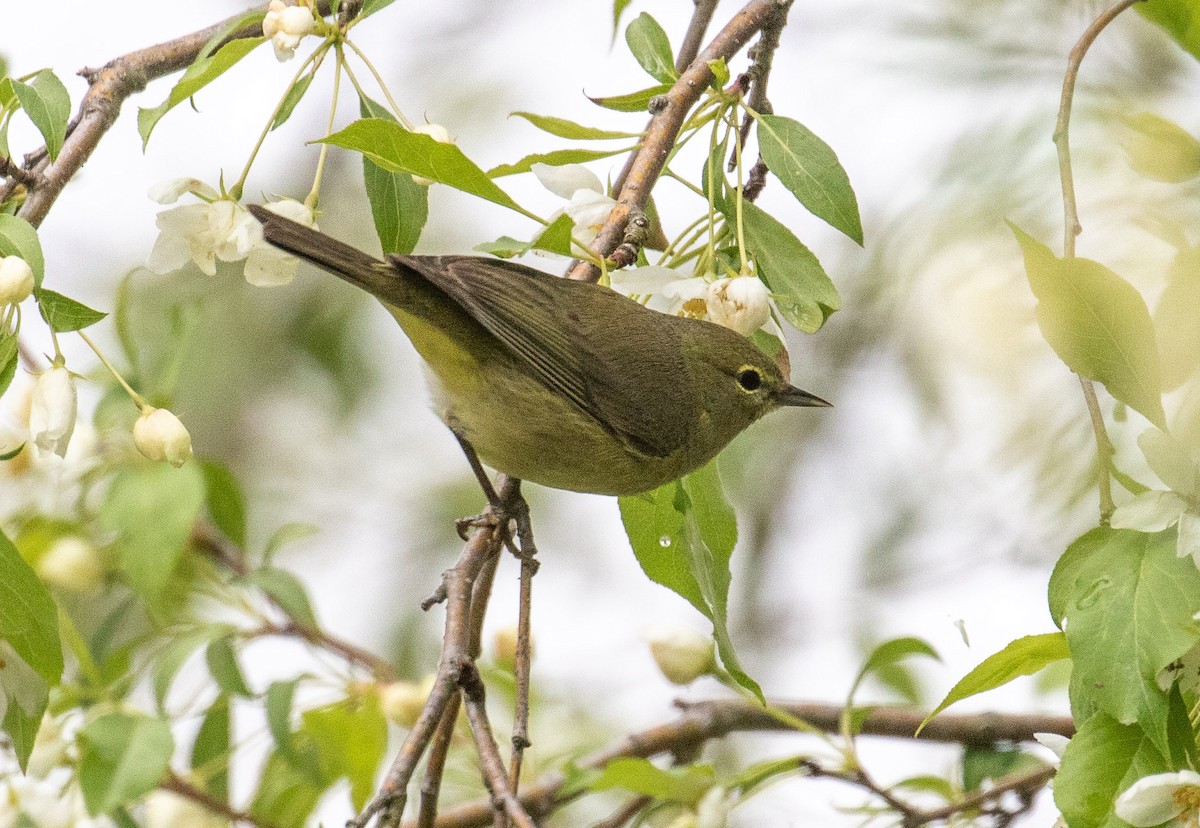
(794, 396)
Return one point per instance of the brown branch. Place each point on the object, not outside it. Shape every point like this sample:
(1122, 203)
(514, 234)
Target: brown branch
(700, 723)
(670, 111)
(495, 777)
(1030, 782)
(694, 36)
(181, 787)
(1072, 228)
(108, 87)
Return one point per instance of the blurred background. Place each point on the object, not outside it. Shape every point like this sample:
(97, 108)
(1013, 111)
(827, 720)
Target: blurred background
(932, 500)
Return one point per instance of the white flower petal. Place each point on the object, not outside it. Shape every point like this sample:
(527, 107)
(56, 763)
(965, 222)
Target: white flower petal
(589, 210)
(177, 227)
(232, 231)
(1150, 511)
(1188, 542)
(292, 209)
(16, 280)
(567, 179)
(1056, 743)
(642, 281)
(168, 192)
(1151, 800)
(52, 410)
(741, 304)
(269, 267)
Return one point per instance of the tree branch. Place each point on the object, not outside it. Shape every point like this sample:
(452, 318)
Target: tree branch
(705, 721)
(670, 111)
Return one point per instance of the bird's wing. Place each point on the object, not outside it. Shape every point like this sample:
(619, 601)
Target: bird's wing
(637, 391)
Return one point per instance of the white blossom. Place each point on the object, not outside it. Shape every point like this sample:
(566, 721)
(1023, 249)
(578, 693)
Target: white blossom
(587, 204)
(1178, 467)
(1172, 798)
(168, 192)
(267, 265)
(16, 280)
(663, 289)
(159, 435)
(52, 410)
(287, 26)
(682, 654)
(203, 233)
(742, 304)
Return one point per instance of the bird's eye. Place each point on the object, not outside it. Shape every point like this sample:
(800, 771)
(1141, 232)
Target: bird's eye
(749, 379)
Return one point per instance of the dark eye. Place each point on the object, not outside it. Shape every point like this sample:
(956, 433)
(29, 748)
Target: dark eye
(749, 379)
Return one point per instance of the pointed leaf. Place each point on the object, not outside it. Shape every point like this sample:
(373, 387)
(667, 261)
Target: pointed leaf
(28, 615)
(19, 238)
(632, 102)
(394, 148)
(811, 171)
(47, 103)
(650, 46)
(685, 784)
(571, 130)
(122, 757)
(63, 314)
(555, 158)
(1098, 325)
(399, 205)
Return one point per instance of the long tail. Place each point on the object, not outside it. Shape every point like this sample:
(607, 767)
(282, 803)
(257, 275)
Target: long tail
(349, 263)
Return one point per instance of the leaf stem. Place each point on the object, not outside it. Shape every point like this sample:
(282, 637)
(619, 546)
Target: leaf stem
(404, 122)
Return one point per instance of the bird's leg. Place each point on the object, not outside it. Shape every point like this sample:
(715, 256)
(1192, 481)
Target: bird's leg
(463, 525)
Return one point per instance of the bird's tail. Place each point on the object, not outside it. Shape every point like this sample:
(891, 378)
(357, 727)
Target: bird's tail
(340, 259)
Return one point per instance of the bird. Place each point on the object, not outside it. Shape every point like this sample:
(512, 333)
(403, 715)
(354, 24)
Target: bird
(563, 383)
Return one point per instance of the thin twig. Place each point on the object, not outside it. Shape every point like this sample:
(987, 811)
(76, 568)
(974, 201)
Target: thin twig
(1032, 781)
(694, 36)
(524, 653)
(490, 762)
(435, 766)
(626, 812)
(1072, 228)
(181, 787)
(706, 721)
(673, 106)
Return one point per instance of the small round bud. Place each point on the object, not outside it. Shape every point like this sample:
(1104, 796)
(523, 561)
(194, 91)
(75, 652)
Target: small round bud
(681, 653)
(741, 304)
(504, 647)
(16, 280)
(287, 26)
(403, 701)
(438, 133)
(160, 436)
(72, 563)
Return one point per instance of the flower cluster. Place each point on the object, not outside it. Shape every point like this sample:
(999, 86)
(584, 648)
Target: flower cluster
(287, 26)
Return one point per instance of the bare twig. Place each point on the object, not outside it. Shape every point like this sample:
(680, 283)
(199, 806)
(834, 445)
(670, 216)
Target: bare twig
(1072, 228)
(705, 721)
(181, 787)
(672, 108)
(626, 812)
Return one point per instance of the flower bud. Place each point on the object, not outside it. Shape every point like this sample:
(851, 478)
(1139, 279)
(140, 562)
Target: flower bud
(438, 133)
(287, 26)
(504, 647)
(72, 563)
(52, 410)
(403, 701)
(741, 304)
(159, 435)
(681, 653)
(16, 280)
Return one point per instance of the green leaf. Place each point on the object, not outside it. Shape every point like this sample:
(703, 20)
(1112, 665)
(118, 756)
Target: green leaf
(1180, 19)
(28, 615)
(571, 130)
(19, 238)
(1098, 325)
(619, 7)
(632, 102)
(685, 784)
(992, 762)
(46, 102)
(286, 795)
(24, 715)
(64, 314)
(279, 713)
(802, 290)
(286, 591)
(556, 238)
(1161, 149)
(720, 70)
(556, 158)
(203, 71)
(1177, 320)
(811, 171)
(369, 7)
(1097, 759)
(212, 749)
(122, 757)
(288, 533)
(152, 509)
(223, 666)
(399, 205)
(394, 148)
(170, 660)
(9, 356)
(889, 653)
(293, 96)
(1022, 657)
(226, 501)
(351, 737)
(683, 535)
(650, 46)
(1127, 604)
